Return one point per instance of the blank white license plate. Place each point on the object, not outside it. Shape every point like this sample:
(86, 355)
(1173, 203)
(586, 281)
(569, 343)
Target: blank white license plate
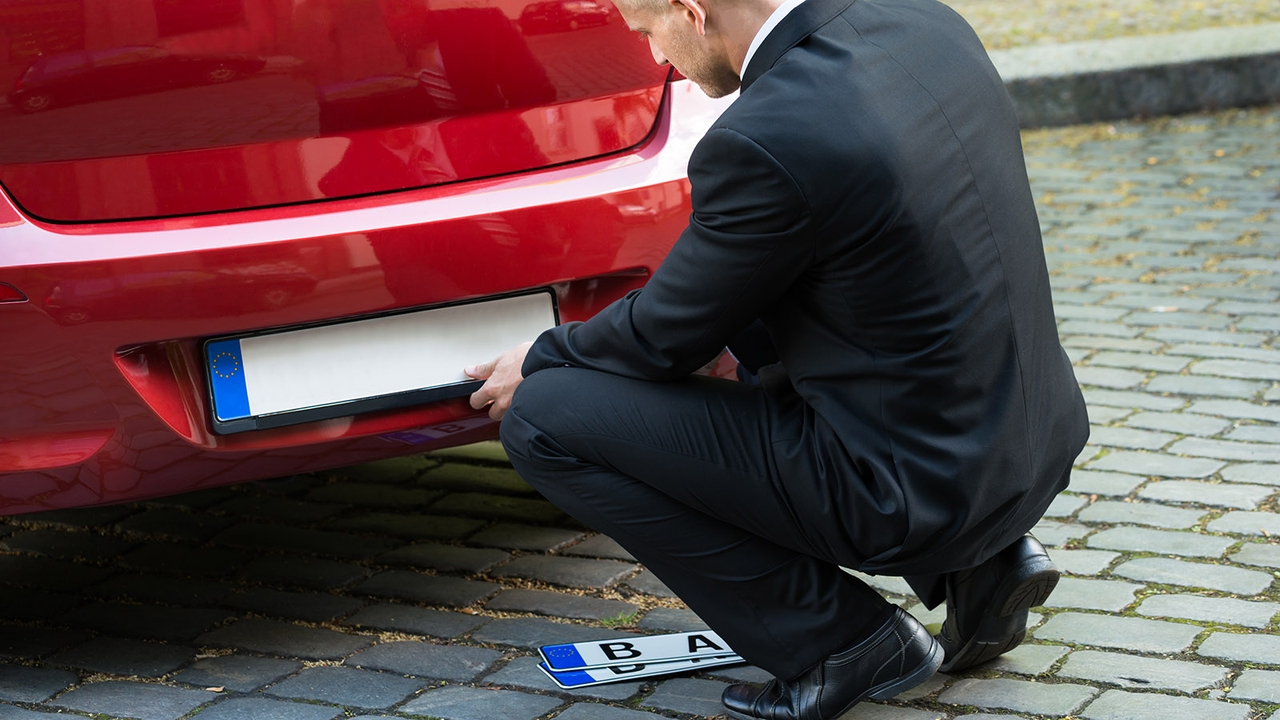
(314, 373)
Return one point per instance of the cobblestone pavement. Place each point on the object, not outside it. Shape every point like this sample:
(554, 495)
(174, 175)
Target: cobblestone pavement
(1015, 23)
(420, 587)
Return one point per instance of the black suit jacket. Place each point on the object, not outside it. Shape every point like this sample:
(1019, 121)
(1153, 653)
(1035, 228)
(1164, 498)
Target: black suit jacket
(866, 198)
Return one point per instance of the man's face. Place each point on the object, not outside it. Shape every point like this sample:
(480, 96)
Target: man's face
(673, 37)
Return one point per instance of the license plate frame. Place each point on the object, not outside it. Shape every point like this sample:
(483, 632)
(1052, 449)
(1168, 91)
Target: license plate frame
(257, 362)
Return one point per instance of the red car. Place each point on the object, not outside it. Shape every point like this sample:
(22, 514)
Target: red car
(207, 279)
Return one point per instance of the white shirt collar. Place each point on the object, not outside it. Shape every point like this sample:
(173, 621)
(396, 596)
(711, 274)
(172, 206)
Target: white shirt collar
(783, 10)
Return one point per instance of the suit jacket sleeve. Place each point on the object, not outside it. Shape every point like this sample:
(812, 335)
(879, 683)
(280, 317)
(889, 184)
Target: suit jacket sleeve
(749, 238)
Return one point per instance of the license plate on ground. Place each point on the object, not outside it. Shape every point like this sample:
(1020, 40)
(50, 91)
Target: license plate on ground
(298, 375)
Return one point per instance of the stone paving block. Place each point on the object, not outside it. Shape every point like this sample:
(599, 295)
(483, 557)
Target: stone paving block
(1088, 453)
(1228, 611)
(1139, 513)
(1227, 450)
(686, 695)
(415, 620)
(1084, 594)
(461, 476)
(466, 703)
(87, 517)
(237, 673)
(486, 451)
(195, 500)
(1243, 522)
(532, 633)
(1236, 409)
(871, 711)
(1250, 648)
(1131, 671)
(134, 700)
(174, 524)
(412, 527)
(523, 673)
(90, 546)
(266, 709)
(1254, 473)
(427, 589)
(1109, 377)
(1112, 343)
(1228, 495)
(1134, 539)
(581, 573)
(19, 683)
(885, 583)
(347, 686)
(1225, 352)
(1258, 554)
(428, 660)
(257, 537)
(599, 546)
(149, 622)
(1052, 533)
(1019, 696)
(18, 642)
(185, 560)
(1029, 659)
(1121, 705)
(29, 604)
(1159, 464)
(49, 574)
(1064, 506)
(596, 711)
(1131, 400)
(1168, 571)
(1207, 321)
(1091, 482)
(1140, 361)
(1088, 312)
(1204, 385)
(671, 620)
(118, 656)
(1255, 433)
(277, 638)
(1184, 423)
(1099, 415)
(1105, 329)
(1124, 437)
(1260, 685)
(1123, 633)
(10, 712)
(445, 558)
(1207, 336)
(558, 604)
(647, 583)
(1243, 369)
(266, 507)
(312, 607)
(1082, 562)
(377, 495)
(500, 507)
(302, 572)
(525, 537)
(162, 590)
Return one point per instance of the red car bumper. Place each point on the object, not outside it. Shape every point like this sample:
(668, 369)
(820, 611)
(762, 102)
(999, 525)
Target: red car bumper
(103, 395)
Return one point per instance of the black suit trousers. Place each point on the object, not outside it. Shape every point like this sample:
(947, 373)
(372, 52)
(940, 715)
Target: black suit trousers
(700, 479)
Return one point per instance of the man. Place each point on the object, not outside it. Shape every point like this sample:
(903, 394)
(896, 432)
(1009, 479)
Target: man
(864, 238)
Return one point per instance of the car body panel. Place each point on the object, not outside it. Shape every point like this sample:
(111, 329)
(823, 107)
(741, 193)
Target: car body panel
(103, 394)
(128, 109)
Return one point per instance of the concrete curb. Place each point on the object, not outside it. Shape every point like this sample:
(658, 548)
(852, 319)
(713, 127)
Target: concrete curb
(1090, 81)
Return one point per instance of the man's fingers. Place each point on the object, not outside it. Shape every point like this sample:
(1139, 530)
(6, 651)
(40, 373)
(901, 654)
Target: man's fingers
(481, 397)
(481, 371)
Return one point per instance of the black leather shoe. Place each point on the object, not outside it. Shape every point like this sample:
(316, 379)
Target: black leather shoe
(987, 605)
(899, 655)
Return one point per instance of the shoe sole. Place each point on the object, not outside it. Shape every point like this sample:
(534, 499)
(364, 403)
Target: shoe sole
(1028, 586)
(886, 690)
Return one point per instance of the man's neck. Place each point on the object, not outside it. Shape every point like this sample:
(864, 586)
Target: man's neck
(742, 20)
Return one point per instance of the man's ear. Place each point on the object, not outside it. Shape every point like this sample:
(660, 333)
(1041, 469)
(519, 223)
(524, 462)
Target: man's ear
(693, 11)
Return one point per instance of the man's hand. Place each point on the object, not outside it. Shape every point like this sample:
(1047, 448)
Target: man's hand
(501, 377)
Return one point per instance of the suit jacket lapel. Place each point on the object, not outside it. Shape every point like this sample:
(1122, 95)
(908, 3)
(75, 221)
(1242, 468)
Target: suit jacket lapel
(796, 26)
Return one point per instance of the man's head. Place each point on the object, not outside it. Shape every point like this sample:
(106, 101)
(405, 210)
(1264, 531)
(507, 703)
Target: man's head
(706, 40)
